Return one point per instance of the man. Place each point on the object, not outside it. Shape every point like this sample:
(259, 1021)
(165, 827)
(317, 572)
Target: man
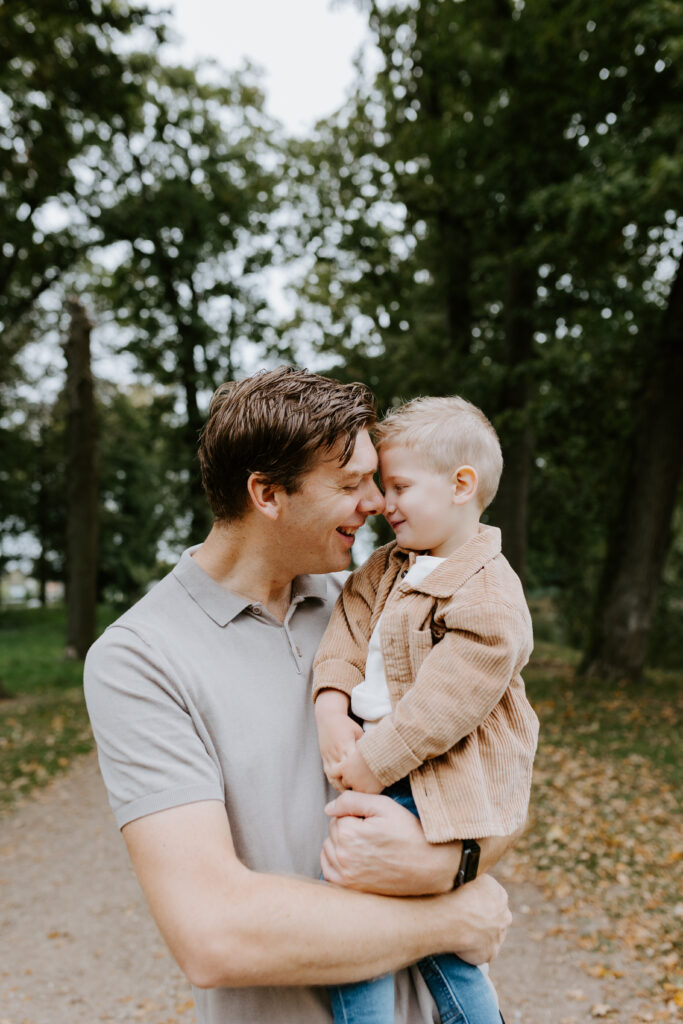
(200, 703)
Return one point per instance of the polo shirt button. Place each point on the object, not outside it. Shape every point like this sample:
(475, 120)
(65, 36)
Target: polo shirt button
(404, 573)
(257, 609)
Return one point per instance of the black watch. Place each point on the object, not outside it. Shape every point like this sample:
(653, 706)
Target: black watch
(469, 863)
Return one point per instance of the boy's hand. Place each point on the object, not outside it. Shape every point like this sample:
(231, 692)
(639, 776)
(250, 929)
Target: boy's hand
(337, 733)
(353, 773)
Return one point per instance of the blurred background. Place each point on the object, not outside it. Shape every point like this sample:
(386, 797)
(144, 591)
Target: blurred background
(431, 196)
(453, 198)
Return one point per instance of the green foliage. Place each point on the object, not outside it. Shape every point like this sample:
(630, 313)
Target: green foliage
(45, 725)
(138, 491)
(191, 209)
(498, 213)
(66, 92)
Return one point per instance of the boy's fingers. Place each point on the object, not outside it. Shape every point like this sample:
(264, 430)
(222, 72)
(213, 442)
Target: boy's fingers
(352, 803)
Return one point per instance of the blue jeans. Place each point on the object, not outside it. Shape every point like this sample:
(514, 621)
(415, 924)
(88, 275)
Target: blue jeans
(461, 992)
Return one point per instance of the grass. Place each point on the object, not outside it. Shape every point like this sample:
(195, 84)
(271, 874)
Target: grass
(44, 723)
(605, 720)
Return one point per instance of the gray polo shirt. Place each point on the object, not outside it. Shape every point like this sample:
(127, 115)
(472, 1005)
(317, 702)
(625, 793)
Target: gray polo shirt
(197, 693)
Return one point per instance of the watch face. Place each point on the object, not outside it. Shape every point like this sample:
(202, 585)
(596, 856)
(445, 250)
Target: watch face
(469, 862)
(472, 862)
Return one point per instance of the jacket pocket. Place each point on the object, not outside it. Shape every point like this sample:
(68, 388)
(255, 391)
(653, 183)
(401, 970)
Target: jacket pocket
(419, 645)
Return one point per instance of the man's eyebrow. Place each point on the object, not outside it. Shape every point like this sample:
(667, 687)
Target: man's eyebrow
(357, 474)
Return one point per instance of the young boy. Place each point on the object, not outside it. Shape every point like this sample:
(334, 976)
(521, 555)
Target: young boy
(425, 647)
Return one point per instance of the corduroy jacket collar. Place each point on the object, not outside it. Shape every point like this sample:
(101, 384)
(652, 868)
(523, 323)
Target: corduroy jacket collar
(458, 568)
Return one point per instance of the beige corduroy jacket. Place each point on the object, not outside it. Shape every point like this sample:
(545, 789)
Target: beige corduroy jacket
(453, 648)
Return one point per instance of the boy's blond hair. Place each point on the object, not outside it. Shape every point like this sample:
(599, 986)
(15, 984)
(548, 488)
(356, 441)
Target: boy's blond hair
(448, 433)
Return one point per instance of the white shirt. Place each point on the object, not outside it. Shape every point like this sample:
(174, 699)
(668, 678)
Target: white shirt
(370, 700)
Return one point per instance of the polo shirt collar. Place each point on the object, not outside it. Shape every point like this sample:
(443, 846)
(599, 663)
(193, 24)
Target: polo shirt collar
(459, 567)
(309, 586)
(223, 605)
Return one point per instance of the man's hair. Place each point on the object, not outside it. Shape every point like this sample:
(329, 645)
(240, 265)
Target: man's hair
(448, 433)
(276, 423)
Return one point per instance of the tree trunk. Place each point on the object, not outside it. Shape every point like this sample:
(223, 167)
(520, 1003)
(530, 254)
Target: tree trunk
(81, 487)
(510, 511)
(200, 521)
(639, 540)
(41, 515)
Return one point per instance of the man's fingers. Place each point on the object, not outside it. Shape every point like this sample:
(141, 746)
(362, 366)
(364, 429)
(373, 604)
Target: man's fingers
(328, 863)
(353, 803)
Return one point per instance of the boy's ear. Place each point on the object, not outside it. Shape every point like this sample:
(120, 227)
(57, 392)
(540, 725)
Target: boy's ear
(465, 484)
(266, 497)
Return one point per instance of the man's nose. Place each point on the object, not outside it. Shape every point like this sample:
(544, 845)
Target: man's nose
(372, 502)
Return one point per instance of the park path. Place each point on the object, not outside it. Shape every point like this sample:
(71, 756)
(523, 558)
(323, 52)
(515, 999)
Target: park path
(77, 945)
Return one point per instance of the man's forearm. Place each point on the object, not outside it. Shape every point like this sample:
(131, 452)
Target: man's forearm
(285, 931)
(229, 926)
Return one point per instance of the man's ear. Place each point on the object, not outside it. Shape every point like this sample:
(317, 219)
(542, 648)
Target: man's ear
(266, 497)
(465, 484)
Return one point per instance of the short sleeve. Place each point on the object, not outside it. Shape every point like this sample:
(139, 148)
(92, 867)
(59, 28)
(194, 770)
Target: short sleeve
(151, 753)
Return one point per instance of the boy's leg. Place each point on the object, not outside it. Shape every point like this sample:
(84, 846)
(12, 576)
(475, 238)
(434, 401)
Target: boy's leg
(461, 992)
(463, 995)
(365, 1002)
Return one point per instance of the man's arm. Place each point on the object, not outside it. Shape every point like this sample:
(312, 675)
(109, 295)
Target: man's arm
(229, 926)
(375, 845)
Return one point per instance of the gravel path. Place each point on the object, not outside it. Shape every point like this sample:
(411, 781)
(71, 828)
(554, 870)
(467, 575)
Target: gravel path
(78, 945)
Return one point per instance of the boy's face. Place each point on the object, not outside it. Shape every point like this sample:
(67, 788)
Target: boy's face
(420, 503)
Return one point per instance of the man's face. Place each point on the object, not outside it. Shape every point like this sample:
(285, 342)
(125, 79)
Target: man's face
(320, 519)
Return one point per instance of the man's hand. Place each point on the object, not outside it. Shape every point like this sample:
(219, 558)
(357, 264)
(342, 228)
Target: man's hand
(337, 733)
(376, 845)
(353, 773)
(483, 904)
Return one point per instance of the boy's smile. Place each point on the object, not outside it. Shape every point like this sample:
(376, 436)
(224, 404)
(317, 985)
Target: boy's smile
(423, 507)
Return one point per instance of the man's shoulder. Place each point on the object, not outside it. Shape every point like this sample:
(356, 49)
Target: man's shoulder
(136, 628)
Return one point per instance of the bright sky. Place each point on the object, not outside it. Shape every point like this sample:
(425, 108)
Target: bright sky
(306, 48)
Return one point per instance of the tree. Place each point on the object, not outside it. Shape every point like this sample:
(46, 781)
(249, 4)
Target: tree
(81, 486)
(641, 535)
(492, 215)
(192, 203)
(66, 92)
(140, 493)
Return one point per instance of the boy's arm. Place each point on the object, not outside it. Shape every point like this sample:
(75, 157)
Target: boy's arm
(229, 926)
(458, 685)
(340, 659)
(337, 732)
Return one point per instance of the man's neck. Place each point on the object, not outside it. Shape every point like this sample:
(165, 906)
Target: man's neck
(232, 557)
